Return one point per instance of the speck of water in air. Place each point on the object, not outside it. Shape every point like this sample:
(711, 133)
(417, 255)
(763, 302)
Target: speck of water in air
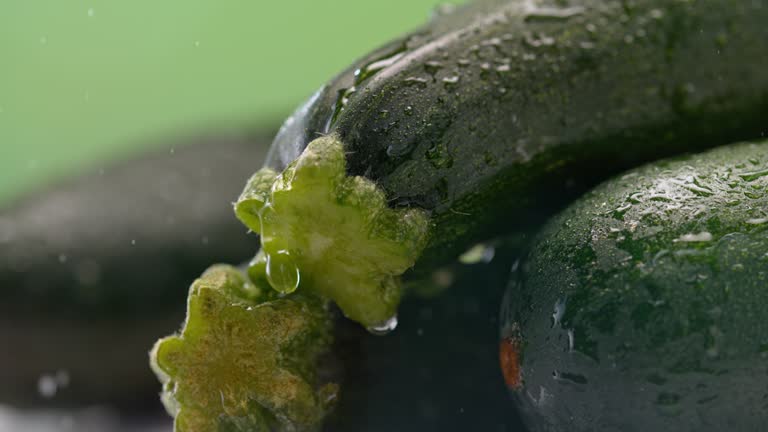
(477, 254)
(384, 328)
(49, 384)
(91, 12)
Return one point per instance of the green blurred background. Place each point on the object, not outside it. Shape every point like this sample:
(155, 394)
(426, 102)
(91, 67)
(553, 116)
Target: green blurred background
(83, 82)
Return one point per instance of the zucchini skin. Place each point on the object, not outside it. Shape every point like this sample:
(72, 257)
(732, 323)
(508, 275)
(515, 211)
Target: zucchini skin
(497, 114)
(643, 305)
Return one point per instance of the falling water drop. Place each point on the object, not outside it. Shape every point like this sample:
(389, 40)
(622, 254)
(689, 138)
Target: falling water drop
(385, 327)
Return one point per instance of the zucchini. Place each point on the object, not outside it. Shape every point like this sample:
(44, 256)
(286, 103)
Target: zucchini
(589, 89)
(643, 305)
(501, 111)
(478, 125)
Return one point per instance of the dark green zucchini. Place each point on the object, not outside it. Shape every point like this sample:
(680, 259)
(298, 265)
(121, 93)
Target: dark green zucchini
(643, 305)
(479, 124)
(503, 108)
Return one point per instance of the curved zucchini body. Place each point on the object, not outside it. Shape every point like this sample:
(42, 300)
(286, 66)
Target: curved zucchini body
(643, 305)
(505, 107)
(476, 126)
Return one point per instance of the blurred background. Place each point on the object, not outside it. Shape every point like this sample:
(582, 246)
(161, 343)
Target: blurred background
(83, 82)
(126, 129)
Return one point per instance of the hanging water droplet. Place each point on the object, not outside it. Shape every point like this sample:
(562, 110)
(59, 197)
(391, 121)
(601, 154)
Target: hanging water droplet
(282, 272)
(384, 328)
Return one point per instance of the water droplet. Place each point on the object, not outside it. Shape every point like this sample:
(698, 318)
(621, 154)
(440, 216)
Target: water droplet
(484, 69)
(46, 386)
(752, 176)
(91, 12)
(539, 40)
(443, 278)
(408, 110)
(656, 14)
(478, 253)
(375, 66)
(534, 12)
(282, 273)
(443, 9)
(133, 242)
(451, 82)
(703, 236)
(384, 328)
(571, 377)
(62, 258)
(558, 312)
(49, 384)
(415, 82)
(431, 67)
(439, 156)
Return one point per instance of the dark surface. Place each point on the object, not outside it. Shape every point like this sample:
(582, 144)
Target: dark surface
(439, 370)
(501, 107)
(96, 268)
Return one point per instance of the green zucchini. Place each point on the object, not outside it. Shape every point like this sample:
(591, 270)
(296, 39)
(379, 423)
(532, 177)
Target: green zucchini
(589, 89)
(643, 305)
(489, 115)
(479, 124)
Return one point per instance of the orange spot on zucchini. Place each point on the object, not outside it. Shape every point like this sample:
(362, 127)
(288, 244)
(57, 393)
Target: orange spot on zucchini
(509, 359)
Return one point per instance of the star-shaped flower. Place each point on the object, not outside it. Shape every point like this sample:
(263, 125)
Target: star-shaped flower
(332, 234)
(245, 359)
